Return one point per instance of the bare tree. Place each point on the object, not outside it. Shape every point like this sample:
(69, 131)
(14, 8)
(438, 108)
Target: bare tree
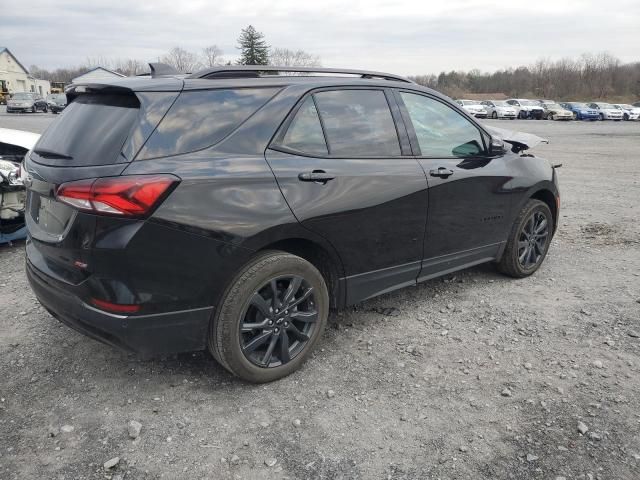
(212, 56)
(129, 67)
(182, 60)
(285, 57)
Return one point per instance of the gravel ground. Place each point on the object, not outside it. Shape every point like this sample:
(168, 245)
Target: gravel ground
(474, 376)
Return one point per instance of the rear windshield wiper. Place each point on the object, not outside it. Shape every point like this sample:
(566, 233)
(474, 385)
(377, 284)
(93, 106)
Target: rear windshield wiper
(51, 154)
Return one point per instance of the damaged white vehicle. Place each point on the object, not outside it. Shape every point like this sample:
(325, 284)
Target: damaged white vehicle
(14, 145)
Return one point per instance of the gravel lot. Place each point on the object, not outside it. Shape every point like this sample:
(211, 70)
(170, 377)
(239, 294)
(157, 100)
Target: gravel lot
(474, 376)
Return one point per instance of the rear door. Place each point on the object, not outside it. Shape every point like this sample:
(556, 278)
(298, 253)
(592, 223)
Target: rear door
(468, 203)
(344, 165)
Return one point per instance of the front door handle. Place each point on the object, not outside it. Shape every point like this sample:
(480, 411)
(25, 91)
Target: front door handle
(319, 176)
(441, 172)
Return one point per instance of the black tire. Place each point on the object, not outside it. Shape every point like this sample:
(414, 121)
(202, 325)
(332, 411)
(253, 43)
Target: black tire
(494, 115)
(227, 343)
(626, 117)
(519, 242)
(602, 117)
(45, 109)
(34, 109)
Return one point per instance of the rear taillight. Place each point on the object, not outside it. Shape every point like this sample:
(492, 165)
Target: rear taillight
(129, 195)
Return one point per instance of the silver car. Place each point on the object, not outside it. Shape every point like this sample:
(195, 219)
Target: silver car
(26, 102)
(606, 111)
(473, 107)
(499, 109)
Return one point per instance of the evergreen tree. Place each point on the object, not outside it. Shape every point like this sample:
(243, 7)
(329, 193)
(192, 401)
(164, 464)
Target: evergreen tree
(254, 50)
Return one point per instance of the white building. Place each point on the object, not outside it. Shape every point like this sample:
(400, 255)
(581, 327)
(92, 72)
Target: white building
(14, 77)
(96, 75)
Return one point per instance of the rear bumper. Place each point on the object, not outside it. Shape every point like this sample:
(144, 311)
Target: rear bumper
(145, 335)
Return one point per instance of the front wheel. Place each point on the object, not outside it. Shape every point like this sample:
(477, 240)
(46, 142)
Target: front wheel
(494, 115)
(528, 241)
(270, 317)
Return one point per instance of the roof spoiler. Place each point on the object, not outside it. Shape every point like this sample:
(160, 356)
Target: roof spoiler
(162, 70)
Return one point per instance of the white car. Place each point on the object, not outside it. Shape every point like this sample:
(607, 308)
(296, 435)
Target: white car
(527, 108)
(14, 144)
(499, 109)
(629, 112)
(473, 107)
(606, 111)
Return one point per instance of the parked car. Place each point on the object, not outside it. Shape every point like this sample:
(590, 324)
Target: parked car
(499, 109)
(606, 111)
(637, 104)
(14, 144)
(474, 108)
(26, 102)
(581, 111)
(56, 102)
(629, 112)
(554, 111)
(526, 108)
(230, 209)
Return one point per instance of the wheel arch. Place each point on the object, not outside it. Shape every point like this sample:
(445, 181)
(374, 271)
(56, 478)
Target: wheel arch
(323, 258)
(547, 196)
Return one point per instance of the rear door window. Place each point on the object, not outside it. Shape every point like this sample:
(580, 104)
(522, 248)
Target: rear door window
(305, 134)
(199, 119)
(358, 123)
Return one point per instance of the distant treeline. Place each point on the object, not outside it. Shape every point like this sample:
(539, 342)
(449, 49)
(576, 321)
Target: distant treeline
(589, 77)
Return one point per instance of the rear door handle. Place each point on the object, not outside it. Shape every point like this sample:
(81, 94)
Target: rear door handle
(441, 172)
(319, 176)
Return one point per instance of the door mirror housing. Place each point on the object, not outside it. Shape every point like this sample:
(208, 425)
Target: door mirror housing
(496, 147)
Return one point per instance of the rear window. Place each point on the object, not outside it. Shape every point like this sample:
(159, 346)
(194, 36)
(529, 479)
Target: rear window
(91, 131)
(200, 119)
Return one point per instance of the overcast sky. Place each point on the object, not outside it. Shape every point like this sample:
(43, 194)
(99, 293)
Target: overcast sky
(418, 37)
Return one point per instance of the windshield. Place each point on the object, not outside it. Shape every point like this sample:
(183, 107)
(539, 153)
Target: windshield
(626, 106)
(500, 103)
(530, 103)
(579, 105)
(58, 97)
(470, 102)
(604, 105)
(22, 96)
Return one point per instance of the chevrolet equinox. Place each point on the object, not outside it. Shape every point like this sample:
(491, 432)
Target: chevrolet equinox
(232, 208)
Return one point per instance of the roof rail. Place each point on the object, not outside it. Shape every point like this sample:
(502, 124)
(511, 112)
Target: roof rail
(162, 70)
(254, 71)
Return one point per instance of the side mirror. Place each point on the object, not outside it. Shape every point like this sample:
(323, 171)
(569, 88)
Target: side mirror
(496, 147)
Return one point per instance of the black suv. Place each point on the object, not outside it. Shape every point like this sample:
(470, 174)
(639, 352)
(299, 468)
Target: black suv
(234, 207)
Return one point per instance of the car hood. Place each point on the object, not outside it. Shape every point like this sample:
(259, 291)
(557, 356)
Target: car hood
(519, 140)
(18, 102)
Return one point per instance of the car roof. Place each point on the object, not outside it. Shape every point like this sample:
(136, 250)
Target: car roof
(177, 82)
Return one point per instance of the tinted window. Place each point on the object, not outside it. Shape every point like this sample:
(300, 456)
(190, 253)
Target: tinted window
(91, 132)
(358, 123)
(305, 131)
(199, 119)
(441, 131)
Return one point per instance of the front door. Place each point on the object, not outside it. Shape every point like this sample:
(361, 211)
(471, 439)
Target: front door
(468, 202)
(339, 163)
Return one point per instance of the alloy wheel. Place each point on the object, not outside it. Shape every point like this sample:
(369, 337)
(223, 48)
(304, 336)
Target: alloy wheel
(279, 321)
(533, 239)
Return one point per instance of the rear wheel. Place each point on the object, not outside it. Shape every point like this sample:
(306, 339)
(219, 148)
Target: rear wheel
(528, 242)
(270, 317)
